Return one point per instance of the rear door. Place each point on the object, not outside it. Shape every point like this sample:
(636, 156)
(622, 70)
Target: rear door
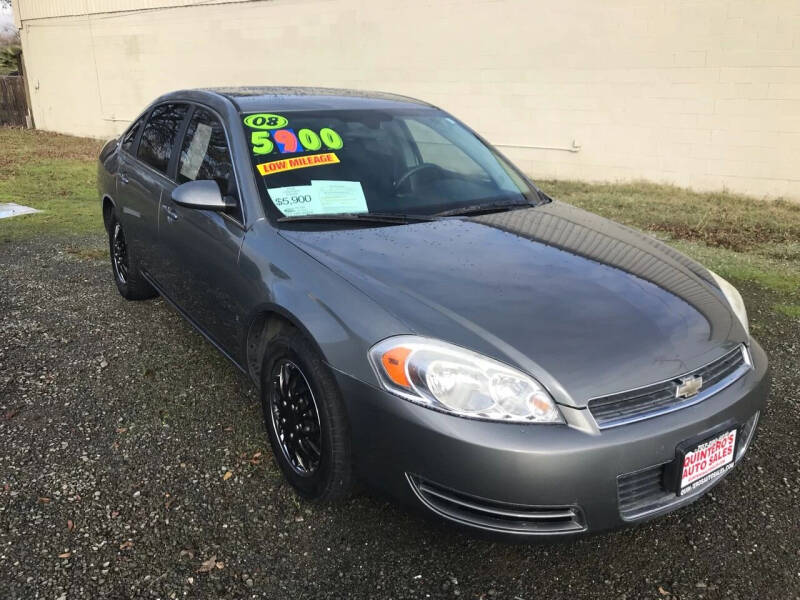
(201, 247)
(127, 201)
(143, 180)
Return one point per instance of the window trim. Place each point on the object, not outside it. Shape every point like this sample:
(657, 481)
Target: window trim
(172, 151)
(172, 167)
(135, 146)
(173, 172)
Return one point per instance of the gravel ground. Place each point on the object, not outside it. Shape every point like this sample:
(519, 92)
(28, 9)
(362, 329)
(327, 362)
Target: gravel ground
(134, 463)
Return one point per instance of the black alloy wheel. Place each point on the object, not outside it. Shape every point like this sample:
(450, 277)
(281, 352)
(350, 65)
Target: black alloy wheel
(295, 417)
(305, 417)
(119, 254)
(124, 264)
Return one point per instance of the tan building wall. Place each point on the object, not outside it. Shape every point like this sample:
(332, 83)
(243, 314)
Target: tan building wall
(701, 93)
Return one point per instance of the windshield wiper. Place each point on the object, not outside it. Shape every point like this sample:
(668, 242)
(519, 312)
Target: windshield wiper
(479, 209)
(394, 218)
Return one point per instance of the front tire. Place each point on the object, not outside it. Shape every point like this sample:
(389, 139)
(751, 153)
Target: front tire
(305, 419)
(125, 267)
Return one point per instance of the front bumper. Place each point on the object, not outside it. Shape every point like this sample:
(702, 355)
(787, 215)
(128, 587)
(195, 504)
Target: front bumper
(567, 477)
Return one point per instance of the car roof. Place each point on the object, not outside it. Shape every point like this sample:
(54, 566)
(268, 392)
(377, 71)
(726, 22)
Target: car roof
(250, 99)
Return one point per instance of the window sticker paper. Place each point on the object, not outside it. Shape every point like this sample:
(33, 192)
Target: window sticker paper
(322, 197)
(295, 200)
(261, 142)
(196, 152)
(299, 162)
(309, 139)
(265, 121)
(287, 141)
(339, 196)
(332, 139)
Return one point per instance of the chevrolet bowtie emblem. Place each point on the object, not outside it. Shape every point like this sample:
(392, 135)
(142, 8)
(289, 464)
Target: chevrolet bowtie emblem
(688, 387)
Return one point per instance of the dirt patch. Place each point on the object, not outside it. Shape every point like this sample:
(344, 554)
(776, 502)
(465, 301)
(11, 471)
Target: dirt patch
(88, 253)
(739, 238)
(24, 146)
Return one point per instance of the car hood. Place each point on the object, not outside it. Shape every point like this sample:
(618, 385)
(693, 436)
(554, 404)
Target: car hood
(585, 305)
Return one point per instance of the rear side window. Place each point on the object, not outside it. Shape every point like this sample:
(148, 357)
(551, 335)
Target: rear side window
(205, 155)
(130, 136)
(159, 134)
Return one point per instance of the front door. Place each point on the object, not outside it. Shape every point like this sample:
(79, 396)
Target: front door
(200, 248)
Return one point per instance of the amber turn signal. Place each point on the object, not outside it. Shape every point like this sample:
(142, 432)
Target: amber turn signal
(394, 363)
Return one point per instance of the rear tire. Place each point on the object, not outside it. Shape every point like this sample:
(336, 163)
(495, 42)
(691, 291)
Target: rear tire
(124, 265)
(303, 415)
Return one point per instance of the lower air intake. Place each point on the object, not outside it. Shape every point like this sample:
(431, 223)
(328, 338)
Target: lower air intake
(645, 492)
(496, 516)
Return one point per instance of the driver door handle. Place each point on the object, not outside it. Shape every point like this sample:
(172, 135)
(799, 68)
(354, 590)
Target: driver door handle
(123, 178)
(170, 212)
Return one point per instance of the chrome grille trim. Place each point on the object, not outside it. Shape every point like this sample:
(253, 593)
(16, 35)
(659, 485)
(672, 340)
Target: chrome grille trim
(667, 405)
(493, 515)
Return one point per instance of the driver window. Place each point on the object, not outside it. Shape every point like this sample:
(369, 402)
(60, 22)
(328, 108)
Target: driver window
(205, 155)
(434, 148)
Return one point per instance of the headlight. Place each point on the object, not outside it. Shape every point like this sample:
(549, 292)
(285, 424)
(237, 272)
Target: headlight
(734, 299)
(449, 378)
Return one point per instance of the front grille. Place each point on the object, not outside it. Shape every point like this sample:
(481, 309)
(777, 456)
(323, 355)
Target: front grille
(645, 492)
(659, 398)
(495, 515)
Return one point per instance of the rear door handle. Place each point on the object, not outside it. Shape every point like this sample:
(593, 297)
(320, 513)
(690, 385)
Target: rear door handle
(123, 178)
(170, 212)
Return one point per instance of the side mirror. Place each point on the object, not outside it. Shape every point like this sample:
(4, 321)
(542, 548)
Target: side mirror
(203, 194)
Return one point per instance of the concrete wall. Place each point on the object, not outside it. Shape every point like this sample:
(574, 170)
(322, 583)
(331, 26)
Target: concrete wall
(701, 93)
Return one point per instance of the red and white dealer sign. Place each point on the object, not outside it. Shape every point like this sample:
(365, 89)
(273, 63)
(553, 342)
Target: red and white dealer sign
(708, 461)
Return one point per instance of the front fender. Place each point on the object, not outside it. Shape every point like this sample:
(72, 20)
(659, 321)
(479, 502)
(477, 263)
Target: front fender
(339, 319)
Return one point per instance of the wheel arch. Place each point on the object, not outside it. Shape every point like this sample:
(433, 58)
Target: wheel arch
(108, 210)
(264, 325)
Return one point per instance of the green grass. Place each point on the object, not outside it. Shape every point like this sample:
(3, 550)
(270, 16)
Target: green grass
(718, 219)
(771, 273)
(53, 173)
(741, 238)
(790, 310)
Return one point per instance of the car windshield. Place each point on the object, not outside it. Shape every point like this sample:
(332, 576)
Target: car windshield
(418, 162)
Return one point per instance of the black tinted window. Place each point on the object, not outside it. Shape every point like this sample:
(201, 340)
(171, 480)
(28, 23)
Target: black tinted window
(205, 155)
(130, 136)
(159, 135)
